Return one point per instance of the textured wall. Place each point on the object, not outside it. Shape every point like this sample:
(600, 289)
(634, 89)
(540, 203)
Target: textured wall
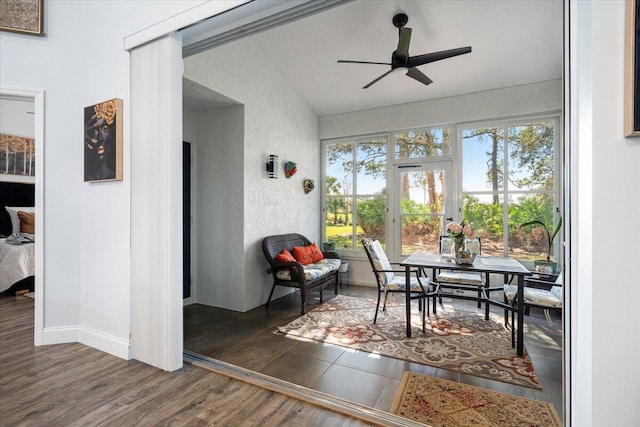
(219, 200)
(276, 121)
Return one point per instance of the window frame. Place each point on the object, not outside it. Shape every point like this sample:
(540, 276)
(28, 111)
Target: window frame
(505, 124)
(457, 170)
(355, 251)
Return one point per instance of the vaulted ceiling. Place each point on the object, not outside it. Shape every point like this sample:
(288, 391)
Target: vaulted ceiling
(513, 43)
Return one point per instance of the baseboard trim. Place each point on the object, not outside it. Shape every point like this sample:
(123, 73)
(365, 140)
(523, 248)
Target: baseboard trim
(90, 337)
(61, 335)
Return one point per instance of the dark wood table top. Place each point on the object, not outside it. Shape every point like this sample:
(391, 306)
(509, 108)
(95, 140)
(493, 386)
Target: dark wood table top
(484, 264)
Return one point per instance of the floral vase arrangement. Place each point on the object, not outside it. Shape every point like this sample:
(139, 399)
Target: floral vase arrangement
(458, 232)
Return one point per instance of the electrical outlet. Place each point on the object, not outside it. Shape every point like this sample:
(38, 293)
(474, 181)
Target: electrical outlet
(84, 295)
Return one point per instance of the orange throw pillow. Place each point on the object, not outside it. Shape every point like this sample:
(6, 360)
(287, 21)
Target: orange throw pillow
(285, 256)
(27, 222)
(316, 252)
(303, 254)
(307, 254)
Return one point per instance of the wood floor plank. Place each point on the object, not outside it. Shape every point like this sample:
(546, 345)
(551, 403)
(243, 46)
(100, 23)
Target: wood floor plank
(74, 385)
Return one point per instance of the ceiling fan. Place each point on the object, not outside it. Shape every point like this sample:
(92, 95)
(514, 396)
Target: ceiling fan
(401, 62)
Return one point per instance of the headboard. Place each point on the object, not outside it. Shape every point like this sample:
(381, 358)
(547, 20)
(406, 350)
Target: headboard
(14, 194)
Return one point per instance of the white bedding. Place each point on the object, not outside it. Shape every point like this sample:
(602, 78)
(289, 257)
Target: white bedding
(17, 262)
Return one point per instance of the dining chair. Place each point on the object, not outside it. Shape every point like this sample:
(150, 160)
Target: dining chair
(548, 297)
(394, 280)
(461, 280)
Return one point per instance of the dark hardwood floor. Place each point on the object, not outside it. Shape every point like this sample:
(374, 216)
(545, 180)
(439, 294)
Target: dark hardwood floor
(247, 340)
(75, 385)
(72, 384)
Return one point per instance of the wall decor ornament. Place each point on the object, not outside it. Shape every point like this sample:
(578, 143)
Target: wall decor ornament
(103, 141)
(22, 16)
(308, 185)
(272, 166)
(632, 70)
(290, 169)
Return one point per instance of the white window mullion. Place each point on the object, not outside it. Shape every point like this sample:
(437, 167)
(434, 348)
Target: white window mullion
(505, 191)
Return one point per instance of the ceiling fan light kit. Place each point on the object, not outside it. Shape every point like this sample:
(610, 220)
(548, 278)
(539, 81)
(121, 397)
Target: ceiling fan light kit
(402, 63)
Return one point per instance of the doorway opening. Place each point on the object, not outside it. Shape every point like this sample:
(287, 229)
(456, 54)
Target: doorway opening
(23, 117)
(230, 330)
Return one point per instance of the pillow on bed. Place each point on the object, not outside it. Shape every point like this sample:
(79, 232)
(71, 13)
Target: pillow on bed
(13, 214)
(27, 222)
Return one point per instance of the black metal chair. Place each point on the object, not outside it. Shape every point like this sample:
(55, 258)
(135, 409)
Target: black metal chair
(394, 280)
(461, 280)
(537, 293)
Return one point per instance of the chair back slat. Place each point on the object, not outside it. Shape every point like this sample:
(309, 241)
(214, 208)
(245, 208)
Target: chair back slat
(379, 261)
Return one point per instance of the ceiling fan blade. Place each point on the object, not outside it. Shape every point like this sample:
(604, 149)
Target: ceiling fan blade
(414, 61)
(367, 86)
(402, 53)
(344, 61)
(418, 75)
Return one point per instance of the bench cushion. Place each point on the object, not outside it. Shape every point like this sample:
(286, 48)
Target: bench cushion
(313, 271)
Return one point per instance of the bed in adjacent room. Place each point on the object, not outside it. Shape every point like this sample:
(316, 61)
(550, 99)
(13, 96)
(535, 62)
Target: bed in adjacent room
(17, 219)
(17, 266)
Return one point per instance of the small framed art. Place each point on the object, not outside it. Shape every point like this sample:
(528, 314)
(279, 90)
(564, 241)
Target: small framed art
(17, 159)
(103, 141)
(22, 16)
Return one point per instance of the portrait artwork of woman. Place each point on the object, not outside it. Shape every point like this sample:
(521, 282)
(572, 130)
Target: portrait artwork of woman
(103, 141)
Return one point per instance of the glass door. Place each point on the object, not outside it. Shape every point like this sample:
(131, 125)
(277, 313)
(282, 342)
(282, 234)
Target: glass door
(423, 206)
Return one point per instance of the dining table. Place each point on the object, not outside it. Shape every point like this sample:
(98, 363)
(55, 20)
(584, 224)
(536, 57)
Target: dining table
(505, 266)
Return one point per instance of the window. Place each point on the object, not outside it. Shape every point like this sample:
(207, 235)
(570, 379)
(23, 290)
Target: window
(497, 176)
(423, 143)
(507, 180)
(355, 198)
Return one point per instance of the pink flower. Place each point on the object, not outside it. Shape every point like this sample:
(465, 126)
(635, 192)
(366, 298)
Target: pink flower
(454, 227)
(468, 231)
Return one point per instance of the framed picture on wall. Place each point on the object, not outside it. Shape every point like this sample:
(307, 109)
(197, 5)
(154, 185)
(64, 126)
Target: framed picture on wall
(17, 159)
(632, 70)
(22, 16)
(103, 141)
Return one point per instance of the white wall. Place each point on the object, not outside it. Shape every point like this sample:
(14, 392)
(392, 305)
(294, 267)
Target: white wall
(607, 316)
(220, 208)
(277, 121)
(86, 226)
(14, 119)
(512, 101)
(189, 126)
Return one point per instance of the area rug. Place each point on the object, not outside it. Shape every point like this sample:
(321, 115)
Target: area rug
(458, 341)
(438, 402)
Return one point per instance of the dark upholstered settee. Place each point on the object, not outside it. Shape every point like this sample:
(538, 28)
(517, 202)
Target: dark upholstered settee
(293, 274)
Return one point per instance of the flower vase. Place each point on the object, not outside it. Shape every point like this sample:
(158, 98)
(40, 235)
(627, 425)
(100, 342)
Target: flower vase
(458, 245)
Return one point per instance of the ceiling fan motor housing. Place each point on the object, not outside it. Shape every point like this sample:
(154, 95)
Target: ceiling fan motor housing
(400, 20)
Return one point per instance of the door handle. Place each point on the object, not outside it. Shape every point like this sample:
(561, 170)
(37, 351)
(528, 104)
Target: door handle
(449, 218)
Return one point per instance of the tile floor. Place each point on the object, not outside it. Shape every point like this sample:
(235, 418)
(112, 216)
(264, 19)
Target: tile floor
(247, 340)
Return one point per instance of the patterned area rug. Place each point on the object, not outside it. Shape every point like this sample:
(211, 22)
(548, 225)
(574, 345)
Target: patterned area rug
(458, 341)
(443, 403)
